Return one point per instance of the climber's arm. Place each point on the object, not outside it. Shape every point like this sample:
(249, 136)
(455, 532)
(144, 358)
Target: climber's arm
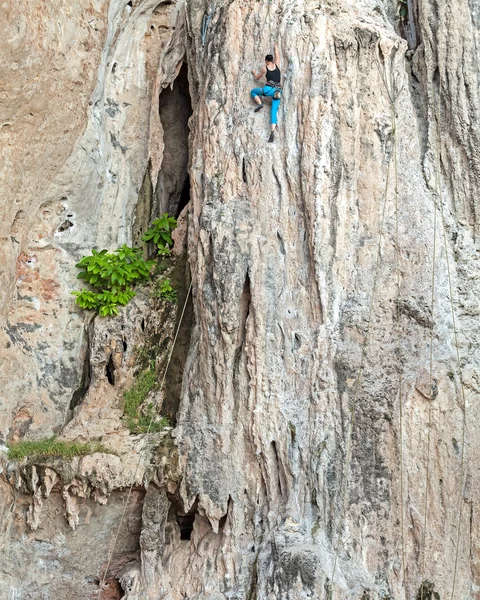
(259, 75)
(277, 56)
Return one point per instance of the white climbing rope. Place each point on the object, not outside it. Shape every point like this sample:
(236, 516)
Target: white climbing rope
(393, 95)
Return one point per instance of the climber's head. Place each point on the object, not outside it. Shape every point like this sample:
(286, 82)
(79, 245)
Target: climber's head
(269, 58)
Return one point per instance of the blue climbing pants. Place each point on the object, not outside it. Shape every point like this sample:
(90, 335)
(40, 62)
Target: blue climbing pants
(268, 91)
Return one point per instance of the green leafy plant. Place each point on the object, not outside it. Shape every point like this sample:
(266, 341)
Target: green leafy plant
(112, 276)
(140, 420)
(160, 233)
(164, 290)
(53, 448)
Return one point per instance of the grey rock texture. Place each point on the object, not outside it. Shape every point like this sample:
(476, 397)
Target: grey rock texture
(313, 455)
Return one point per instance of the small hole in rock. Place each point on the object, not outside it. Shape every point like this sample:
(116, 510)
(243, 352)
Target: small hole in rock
(184, 197)
(244, 171)
(142, 325)
(65, 225)
(125, 346)
(112, 590)
(152, 27)
(223, 520)
(185, 522)
(129, 4)
(110, 371)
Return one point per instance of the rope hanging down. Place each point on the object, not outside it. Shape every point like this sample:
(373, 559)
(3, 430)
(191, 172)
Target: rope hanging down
(432, 307)
(439, 200)
(399, 343)
(393, 95)
(463, 401)
(344, 485)
(110, 556)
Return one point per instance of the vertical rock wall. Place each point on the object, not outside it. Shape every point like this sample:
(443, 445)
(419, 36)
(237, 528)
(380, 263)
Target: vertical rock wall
(312, 262)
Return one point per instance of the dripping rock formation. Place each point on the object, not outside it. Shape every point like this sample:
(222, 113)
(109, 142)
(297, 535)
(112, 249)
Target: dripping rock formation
(323, 389)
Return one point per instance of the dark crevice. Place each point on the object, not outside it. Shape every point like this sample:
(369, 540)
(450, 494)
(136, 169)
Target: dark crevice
(82, 389)
(110, 371)
(244, 311)
(185, 522)
(184, 197)
(65, 225)
(223, 520)
(173, 186)
(142, 325)
(184, 519)
(79, 394)
(125, 345)
(112, 590)
(174, 376)
(427, 592)
(239, 363)
(278, 465)
(244, 171)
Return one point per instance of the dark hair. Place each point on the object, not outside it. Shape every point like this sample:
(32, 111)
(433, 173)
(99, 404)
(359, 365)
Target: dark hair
(269, 58)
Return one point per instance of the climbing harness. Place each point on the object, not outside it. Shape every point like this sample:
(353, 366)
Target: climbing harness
(207, 17)
(277, 94)
(110, 556)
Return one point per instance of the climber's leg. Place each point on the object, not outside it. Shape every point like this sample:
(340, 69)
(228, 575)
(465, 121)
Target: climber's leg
(274, 114)
(256, 93)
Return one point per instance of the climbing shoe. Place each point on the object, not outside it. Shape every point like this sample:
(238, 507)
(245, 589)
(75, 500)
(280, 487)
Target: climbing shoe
(258, 108)
(272, 137)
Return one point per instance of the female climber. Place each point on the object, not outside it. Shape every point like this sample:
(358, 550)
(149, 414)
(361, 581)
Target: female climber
(272, 89)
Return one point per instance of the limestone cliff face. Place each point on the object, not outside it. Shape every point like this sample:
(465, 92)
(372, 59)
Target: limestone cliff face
(312, 455)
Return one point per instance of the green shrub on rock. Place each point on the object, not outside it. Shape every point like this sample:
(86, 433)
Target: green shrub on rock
(164, 290)
(112, 276)
(160, 233)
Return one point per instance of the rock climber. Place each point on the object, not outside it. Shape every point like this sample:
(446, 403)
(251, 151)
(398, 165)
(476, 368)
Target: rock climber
(271, 71)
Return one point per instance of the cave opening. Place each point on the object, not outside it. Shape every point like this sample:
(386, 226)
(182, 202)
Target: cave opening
(184, 197)
(172, 191)
(185, 520)
(110, 371)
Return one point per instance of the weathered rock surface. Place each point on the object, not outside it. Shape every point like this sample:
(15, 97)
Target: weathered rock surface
(311, 260)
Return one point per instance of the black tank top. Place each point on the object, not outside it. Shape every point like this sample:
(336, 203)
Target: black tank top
(274, 75)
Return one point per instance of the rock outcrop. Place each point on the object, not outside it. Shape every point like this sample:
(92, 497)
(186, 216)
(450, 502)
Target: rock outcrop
(325, 385)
